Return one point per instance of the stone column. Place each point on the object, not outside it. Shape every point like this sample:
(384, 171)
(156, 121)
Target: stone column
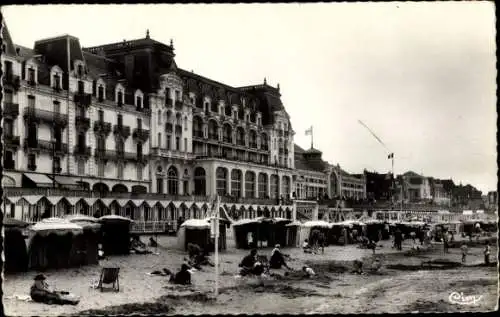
(315, 212)
(242, 189)
(180, 186)
(268, 187)
(229, 181)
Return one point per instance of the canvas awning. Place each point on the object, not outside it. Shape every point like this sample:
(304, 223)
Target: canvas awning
(114, 218)
(164, 203)
(122, 202)
(137, 202)
(13, 200)
(196, 223)
(64, 180)
(54, 200)
(40, 180)
(56, 225)
(73, 200)
(177, 203)
(32, 200)
(90, 201)
(107, 201)
(151, 203)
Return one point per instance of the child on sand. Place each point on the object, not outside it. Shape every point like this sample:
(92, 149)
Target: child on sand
(464, 252)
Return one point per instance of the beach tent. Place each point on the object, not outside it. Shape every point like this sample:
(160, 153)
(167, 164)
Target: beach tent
(115, 234)
(293, 234)
(260, 232)
(15, 251)
(197, 231)
(377, 230)
(89, 240)
(308, 227)
(50, 243)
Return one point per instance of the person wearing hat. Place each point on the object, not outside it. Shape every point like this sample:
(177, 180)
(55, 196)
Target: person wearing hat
(277, 259)
(41, 292)
(183, 277)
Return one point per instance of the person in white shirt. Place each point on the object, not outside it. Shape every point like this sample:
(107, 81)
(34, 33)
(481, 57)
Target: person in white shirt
(309, 272)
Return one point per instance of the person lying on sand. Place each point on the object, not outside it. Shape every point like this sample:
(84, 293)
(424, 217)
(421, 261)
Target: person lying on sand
(41, 292)
(183, 277)
(277, 259)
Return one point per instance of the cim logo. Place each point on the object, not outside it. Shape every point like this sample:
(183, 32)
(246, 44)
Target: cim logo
(460, 299)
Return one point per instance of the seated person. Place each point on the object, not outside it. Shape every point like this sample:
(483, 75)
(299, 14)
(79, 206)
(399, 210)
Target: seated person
(308, 271)
(306, 246)
(183, 277)
(153, 243)
(277, 259)
(248, 262)
(41, 292)
(193, 250)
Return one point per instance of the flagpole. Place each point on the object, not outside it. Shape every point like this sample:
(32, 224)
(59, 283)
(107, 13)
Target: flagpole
(312, 138)
(68, 97)
(217, 204)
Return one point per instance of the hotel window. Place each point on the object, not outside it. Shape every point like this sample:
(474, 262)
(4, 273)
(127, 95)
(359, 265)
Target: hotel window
(139, 149)
(177, 143)
(31, 75)
(100, 93)
(168, 141)
(31, 162)
(8, 96)
(100, 169)
(81, 167)
(81, 87)
(139, 124)
(159, 185)
(57, 106)
(177, 95)
(56, 83)
(57, 164)
(31, 101)
(138, 102)
(119, 168)
(159, 139)
(120, 120)
(185, 123)
(139, 172)
(185, 145)
(159, 116)
(120, 98)
(80, 70)
(101, 115)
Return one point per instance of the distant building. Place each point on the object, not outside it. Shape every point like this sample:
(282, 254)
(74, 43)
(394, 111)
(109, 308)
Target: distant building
(378, 186)
(492, 200)
(439, 195)
(311, 180)
(344, 185)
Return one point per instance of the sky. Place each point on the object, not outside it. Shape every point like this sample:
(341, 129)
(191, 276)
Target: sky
(422, 76)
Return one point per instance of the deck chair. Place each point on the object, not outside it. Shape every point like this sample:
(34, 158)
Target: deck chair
(109, 275)
(265, 262)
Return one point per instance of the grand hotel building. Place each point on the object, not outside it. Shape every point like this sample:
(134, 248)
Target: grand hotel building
(123, 118)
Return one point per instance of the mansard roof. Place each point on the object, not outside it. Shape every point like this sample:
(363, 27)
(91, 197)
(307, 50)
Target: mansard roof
(304, 162)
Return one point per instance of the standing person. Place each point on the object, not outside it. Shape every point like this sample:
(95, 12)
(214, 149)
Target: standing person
(445, 244)
(487, 253)
(413, 236)
(321, 242)
(464, 252)
(398, 239)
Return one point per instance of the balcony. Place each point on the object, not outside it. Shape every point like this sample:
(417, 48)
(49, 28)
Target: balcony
(82, 123)
(161, 226)
(170, 102)
(12, 80)
(45, 146)
(169, 127)
(213, 136)
(31, 82)
(133, 157)
(178, 104)
(10, 110)
(122, 130)
(240, 142)
(57, 88)
(11, 141)
(50, 117)
(264, 147)
(83, 99)
(9, 164)
(227, 139)
(253, 145)
(83, 151)
(141, 134)
(171, 154)
(102, 127)
(253, 201)
(198, 134)
(106, 154)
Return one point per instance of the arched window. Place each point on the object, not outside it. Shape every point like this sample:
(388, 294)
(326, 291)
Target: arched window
(172, 181)
(274, 186)
(221, 179)
(159, 116)
(262, 185)
(212, 130)
(240, 136)
(264, 144)
(200, 181)
(178, 118)
(249, 184)
(286, 186)
(213, 106)
(236, 183)
(228, 110)
(253, 139)
(227, 134)
(197, 127)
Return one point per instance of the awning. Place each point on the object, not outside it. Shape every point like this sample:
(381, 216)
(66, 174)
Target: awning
(164, 203)
(13, 200)
(32, 200)
(64, 180)
(73, 200)
(137, 202)
(90, 201)
(40, 180)
(177, 203)
(107, 201)
(122, 202)
(54, 199)
(151, 203)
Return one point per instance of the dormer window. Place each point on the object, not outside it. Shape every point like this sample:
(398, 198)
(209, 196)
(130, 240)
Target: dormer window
(120, 98)
(31, 76)
(177, 95)
(214, 107)
(120, 120)
(80, 70)
(81, 87)
(56, 81)
(100, 93)
(138, 102)
(192, 100)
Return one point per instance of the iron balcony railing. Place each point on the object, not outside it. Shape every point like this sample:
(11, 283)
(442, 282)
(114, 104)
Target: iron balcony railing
(83, 99)
(12, 80)
(158, 226)
(82, 122)
(213, 136)
(10, 109)
(102, 127)
(198, 134)
(11, 140)
(82, 150)
(58, 148)
(105, 154)
(122, 130)
(254, 201)
(141, 134)
(50, 117)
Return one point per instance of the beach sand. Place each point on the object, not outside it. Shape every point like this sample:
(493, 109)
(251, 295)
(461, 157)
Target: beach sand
(330, 292)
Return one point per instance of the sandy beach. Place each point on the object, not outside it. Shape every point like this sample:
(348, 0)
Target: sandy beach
(334, 290)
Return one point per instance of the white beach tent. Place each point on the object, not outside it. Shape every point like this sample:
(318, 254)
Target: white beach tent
(305, 228)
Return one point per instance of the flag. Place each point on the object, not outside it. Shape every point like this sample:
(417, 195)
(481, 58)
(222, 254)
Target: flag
(390, 156)
(309, 131)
